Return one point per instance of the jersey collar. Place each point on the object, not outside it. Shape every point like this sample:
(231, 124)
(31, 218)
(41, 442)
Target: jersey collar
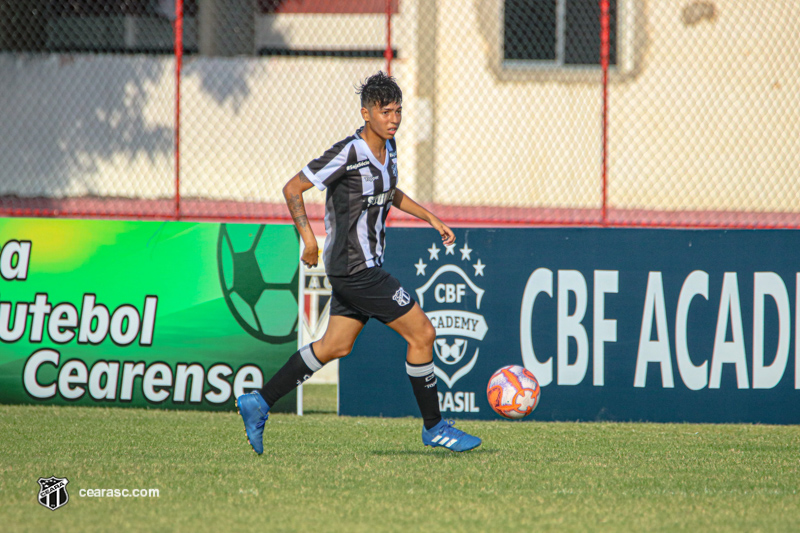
(371, 156)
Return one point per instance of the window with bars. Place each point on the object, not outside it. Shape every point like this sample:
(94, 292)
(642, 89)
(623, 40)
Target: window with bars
(102, 26)
(555, 33)
(232, 27)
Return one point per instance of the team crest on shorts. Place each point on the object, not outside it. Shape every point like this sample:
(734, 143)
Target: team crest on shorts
(401, 297)
(53, 492)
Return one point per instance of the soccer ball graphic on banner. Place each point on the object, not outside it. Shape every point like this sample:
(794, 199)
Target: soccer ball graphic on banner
(513, 392)
(259, 284)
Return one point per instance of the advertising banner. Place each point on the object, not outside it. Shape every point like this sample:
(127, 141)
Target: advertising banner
(147, 314)
(616, 324)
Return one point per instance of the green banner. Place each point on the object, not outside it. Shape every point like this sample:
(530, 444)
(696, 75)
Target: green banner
(173, 315)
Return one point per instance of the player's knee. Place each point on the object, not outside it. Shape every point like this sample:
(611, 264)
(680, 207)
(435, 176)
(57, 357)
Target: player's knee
(342, 351)
(325, 352)
(425, 335)
(338, 351)
(430, 334)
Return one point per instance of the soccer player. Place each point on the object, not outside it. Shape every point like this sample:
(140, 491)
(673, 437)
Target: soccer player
(359, 174)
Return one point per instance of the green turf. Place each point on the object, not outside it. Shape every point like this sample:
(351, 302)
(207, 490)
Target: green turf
(325, 473)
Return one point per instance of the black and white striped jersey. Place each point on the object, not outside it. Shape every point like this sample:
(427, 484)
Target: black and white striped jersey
(359, 195)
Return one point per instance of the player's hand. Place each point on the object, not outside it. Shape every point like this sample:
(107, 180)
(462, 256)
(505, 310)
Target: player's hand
(448, 237)
(310, 256)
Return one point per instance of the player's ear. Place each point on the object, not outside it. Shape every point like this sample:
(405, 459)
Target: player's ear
(365, 114)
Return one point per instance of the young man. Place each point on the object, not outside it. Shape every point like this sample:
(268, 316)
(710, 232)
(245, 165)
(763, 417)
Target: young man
(360, 176)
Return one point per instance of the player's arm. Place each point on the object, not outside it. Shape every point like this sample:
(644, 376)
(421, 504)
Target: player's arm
(404, 203)
(293, 193)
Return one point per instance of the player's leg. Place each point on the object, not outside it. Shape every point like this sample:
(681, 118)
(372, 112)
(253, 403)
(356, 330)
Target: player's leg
(337, 341)
(416, 329)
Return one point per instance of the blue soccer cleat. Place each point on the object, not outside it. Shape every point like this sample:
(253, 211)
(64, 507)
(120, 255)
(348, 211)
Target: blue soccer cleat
(444, 434)
(254, 411)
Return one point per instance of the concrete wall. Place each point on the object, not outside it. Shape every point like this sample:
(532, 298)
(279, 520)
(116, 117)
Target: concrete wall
(703, 113)
(712, 119)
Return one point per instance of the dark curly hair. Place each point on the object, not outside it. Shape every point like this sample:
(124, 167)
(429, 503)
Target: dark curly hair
(380, 89)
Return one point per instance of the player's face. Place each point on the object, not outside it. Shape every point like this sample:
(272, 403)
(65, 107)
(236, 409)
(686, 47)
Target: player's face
(383, 120)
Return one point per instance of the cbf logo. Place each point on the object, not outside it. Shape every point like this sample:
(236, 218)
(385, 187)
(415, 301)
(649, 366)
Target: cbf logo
(53, 492)
(452, 301)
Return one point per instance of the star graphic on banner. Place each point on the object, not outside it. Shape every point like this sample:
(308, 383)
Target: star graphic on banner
(420, 267)
(479, 268)
(450, 249)
(434, 250)
(465, 252)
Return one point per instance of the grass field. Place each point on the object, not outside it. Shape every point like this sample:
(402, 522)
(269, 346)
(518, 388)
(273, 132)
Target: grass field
(327, 473)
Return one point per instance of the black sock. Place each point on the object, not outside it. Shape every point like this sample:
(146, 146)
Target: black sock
(300, 366)
(423, 381)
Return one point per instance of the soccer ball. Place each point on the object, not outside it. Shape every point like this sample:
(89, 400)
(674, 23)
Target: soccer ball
(513, 392)
(260, 286)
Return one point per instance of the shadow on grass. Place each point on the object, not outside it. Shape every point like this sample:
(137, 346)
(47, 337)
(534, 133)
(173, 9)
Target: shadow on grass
(479, 451)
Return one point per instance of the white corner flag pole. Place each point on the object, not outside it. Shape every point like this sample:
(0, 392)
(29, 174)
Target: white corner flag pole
(301, 311)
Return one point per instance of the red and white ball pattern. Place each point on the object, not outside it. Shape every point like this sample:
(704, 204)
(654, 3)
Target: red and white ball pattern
(513, 392)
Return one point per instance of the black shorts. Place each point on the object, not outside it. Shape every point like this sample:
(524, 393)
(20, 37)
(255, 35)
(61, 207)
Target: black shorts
(370, 293)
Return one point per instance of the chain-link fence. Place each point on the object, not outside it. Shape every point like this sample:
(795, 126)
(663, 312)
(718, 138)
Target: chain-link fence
(704, 127)
(509, 116)
(254, 113)
(87, 92)
(510, 95)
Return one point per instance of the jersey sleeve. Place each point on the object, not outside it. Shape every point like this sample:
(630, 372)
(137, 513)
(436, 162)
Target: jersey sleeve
(329, 167)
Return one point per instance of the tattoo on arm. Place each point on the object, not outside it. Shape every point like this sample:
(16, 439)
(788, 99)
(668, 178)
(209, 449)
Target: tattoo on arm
(303, 178)
(297, 210)
(301, 221)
